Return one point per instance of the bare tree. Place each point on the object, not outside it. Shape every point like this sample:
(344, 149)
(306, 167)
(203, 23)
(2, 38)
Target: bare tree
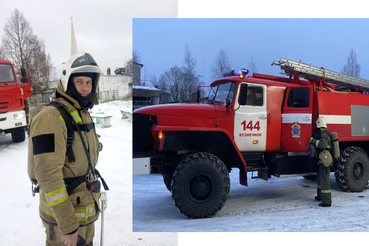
(181, 82)
(171, 82)
(128, 68)
(40, 68)
(2, 53)
(191, 80)
(136, 57)
(252, 66)
(18, 39)
(153, 80)
(352, 68)
(24, 49)
(221, 65)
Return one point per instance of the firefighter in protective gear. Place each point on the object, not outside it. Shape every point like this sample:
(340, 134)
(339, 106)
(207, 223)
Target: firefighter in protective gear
(67, 214)
(321, 140)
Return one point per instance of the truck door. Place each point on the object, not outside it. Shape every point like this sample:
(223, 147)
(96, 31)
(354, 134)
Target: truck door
(297, 119)
(250, 118)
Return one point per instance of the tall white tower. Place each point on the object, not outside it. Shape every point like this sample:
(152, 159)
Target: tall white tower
(74, 49)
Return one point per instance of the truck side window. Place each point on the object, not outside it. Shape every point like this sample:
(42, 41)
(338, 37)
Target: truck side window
(298, 98)
(255, 96)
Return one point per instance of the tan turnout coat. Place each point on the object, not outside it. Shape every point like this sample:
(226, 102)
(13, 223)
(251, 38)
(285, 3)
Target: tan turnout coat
(47, 151)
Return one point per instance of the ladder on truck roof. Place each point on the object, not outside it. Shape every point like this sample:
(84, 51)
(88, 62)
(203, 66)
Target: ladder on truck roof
(315, 73)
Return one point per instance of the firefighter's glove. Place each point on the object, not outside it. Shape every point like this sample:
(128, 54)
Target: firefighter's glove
(313, 141)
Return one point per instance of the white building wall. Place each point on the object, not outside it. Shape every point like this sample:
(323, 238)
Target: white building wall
(121, 85)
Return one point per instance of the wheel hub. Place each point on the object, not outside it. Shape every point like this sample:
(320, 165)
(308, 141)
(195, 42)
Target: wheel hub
(200, 187)
(358, 170)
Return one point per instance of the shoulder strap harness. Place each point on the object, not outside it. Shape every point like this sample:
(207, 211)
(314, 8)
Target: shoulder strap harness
(71, 126)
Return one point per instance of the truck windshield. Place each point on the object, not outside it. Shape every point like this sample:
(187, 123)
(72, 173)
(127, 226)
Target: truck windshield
(6, 73)
(222, 92)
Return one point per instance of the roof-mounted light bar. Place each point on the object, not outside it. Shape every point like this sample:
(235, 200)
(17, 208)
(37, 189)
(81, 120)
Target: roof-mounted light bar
(242, 72)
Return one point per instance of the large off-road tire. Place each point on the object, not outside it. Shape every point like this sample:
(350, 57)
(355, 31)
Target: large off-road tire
(18, 135)
(167, 178)
(200, 185)
(352, 172)
(167, 169)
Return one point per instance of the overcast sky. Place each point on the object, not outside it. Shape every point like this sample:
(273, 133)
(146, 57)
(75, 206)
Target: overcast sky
(320, 42)
(102, 28)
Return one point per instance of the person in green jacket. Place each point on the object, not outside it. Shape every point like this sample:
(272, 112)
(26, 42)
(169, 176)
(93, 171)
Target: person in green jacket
(67, 213)
(321, 140)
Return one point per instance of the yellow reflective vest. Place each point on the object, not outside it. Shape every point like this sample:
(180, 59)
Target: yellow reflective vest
(47, 151)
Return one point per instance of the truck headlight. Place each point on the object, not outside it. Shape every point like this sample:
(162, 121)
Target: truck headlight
(18, 116)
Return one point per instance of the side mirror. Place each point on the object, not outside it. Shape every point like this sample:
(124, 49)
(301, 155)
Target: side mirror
(23, 79)
(228, 102)
(23, 72)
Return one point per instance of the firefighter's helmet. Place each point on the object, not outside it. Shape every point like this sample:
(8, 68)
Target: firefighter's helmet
(321, 122)
(81, 62)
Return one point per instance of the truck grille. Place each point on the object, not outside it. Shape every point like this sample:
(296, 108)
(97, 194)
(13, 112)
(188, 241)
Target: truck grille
(4, 107)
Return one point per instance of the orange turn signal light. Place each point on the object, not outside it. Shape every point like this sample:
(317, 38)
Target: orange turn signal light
(160, 135)
(255, 141)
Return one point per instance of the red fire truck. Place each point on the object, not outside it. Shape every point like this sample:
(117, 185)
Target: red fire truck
(259, 124)
(14, 90)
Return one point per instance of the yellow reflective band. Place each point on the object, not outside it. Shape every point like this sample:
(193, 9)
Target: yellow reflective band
(61, 117)
(317, 143)
(84, 214)
(326, 191)
(81, 214)
(76, 116)
(44, 208)
(56, 197)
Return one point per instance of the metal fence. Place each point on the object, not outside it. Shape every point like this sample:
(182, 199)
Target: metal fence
(107, 96)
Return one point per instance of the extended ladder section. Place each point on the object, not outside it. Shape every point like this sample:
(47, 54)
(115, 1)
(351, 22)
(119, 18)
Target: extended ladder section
(315, 73)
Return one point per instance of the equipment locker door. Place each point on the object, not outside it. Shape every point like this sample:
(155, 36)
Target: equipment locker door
(297, 119)
(250, 119)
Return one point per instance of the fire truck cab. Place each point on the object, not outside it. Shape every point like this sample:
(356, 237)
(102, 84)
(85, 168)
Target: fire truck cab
(259, 124)
(14, 90)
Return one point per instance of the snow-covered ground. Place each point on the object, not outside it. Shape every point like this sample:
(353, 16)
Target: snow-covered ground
(276, 205)
(20, 223)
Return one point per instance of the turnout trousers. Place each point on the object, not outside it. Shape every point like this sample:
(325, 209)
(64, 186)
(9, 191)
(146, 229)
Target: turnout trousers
(324, 186)
(53, 235)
